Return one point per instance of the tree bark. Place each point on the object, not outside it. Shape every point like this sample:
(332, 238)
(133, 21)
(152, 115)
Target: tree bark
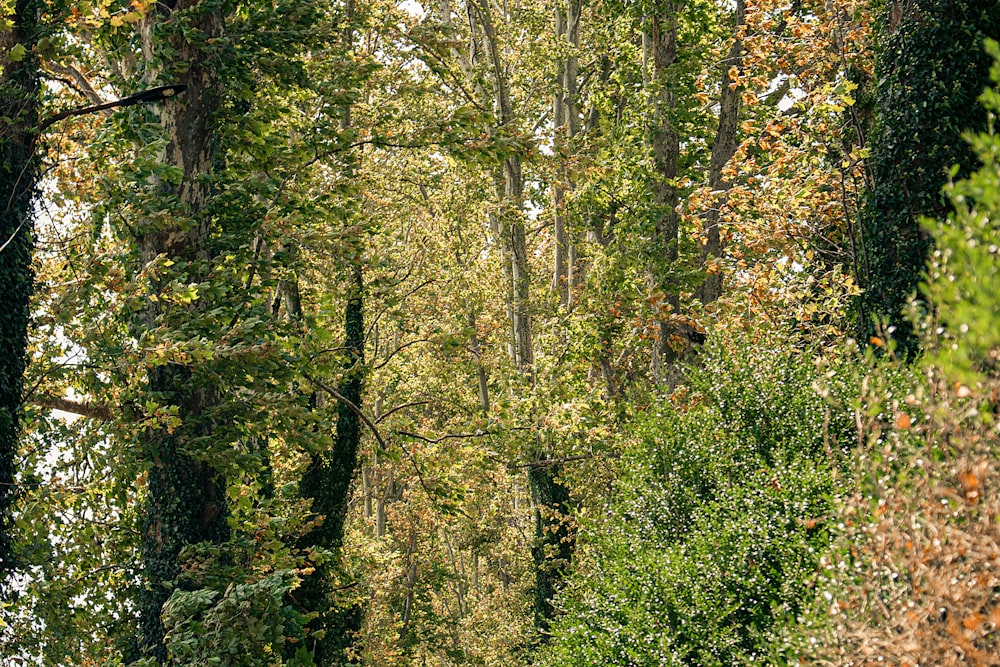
(187, 495)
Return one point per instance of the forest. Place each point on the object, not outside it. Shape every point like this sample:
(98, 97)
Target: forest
(564, 333)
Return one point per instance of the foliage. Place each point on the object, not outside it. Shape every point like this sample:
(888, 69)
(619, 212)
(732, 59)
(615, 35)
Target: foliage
(915, 579)
(720, 519)
(398, 345)
(930, 68)
(963, 274)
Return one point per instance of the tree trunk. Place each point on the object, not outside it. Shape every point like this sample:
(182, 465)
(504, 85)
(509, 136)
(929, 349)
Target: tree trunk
(552, 549)
(187, 495)
(328, 483)
(482, 380)
(565, 126)
(723, 149)
(18, 173)
(665, 143)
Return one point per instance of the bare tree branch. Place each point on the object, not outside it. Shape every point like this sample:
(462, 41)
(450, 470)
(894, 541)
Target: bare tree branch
(84, 409)
(351, 406)
(371, 426)
(566, 459)
(400, 407)
(83, 84)
(450, 436)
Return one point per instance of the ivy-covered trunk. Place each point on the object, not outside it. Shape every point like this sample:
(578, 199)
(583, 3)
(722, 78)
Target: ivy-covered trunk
(552, 551)
(19, 113)
(930, 68)
(328, 483)
(186, 493)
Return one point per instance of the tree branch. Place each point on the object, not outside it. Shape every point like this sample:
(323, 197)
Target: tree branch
(450, 436)
(566, 459)
(351, 406)
(83, 84)
(399, 407)
(84, 409)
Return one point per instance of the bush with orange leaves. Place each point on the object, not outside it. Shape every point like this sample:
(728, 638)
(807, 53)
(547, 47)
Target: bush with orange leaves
(917, 579)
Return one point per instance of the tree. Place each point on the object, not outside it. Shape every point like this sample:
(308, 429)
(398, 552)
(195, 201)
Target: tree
(661, 36)
(929, 67)
(187, 491)
(327, 481)
(19, 92)
(723, 149)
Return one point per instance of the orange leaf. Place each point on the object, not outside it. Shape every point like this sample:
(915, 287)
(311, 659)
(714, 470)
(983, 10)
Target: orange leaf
(903, 421)
(970, 486)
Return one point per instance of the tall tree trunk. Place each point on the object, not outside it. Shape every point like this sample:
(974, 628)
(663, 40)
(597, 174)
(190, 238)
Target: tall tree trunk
(560, 254)
(511, 215)
(187, 495)
(665, 144)
(553, 542)
(723, 149)
(19, 111)
(565, 126)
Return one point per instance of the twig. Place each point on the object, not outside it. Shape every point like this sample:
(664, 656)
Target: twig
(450, 436)
(82, 84)
(351, 406)
(411, 404)
(566, 459)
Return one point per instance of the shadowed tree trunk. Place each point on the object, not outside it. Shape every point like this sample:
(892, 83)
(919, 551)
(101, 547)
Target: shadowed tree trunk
(328, 483)
(19, 111)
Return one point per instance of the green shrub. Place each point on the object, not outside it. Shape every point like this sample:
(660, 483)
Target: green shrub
(720, 521)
